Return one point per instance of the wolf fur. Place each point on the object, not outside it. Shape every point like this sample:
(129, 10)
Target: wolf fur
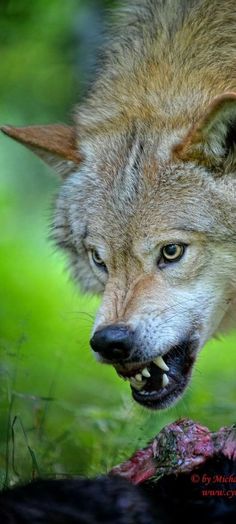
(113, 500)
(154, 164)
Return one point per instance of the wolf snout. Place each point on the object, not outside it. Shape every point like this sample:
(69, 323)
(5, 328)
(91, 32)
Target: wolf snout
(113, 343)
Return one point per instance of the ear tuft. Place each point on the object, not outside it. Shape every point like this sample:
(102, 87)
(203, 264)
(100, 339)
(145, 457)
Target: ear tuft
(55, 144)
(212, 140)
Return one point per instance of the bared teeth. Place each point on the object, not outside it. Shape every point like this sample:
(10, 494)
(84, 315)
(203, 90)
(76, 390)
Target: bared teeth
(137, 385)
(165, 380)
(146, 373)
(160, 363)
(139, 380)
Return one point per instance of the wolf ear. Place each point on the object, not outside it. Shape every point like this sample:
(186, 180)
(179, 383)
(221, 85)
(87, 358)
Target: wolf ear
(55, 144)
(212, 140)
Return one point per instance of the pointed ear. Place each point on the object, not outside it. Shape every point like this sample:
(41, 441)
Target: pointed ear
(55, 144)
(212, 140)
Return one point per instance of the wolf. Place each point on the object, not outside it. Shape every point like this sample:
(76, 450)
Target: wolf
(147, 205)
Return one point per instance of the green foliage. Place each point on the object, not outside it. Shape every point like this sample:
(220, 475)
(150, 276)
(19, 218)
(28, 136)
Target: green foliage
(62, 413)
(36, 57)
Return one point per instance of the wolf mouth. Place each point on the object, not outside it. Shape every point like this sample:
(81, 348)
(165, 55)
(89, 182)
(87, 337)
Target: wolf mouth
(158, 383)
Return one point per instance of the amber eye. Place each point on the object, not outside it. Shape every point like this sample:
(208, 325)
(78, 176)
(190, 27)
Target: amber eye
(98, 260)
(173, 252)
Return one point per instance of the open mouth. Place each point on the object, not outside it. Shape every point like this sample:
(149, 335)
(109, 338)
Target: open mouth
(158, 383)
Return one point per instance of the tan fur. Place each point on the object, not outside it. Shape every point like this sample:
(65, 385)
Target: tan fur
(222, 108)
(154, 164)
(157, 68)
(56, 144)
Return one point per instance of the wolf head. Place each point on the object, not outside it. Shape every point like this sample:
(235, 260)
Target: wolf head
(148, 218)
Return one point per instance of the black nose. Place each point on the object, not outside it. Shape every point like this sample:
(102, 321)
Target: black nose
(112, 342)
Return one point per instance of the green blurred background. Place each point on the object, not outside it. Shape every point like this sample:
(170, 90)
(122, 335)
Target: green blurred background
(60, 411)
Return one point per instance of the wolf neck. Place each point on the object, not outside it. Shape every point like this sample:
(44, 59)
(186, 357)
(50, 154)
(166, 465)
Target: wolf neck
(167, 60)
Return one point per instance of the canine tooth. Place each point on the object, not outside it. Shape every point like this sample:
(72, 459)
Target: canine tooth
(161, 363)
(146, 373)
(138, 377)
(165, 380)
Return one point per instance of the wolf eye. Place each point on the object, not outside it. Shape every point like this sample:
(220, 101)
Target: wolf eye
(173, 252)
(98, 260)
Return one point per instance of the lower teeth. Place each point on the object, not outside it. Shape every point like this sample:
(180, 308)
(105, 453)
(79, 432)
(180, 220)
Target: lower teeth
(137, 385)
(144, 393)
(138, 382)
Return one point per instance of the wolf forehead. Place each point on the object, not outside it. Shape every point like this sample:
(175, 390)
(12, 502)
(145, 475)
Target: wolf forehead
(124, 185)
